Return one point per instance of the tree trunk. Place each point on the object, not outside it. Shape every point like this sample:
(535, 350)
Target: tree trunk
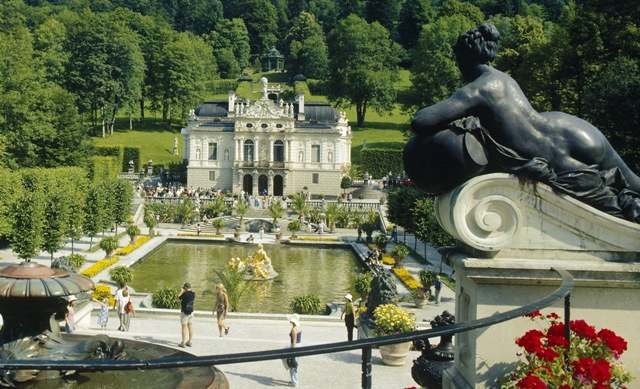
(142, 107)
(130, 121)
(104, 134)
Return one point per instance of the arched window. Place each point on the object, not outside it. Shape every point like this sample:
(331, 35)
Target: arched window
(278, 151)
(248, 151)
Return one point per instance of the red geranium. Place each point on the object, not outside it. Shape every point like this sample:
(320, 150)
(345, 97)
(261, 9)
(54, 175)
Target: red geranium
(587, 359)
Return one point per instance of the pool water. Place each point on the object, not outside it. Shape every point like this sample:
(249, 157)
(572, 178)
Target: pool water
(325, 271)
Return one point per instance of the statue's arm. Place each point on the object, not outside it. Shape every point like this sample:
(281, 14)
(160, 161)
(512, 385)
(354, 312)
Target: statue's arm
(435, 118)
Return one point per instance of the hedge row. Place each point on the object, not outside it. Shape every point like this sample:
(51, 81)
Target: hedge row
(101, 169)
(379, 162)
(131, 154)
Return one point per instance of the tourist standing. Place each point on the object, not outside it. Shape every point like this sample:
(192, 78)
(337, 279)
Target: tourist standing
(295, 337)
(348, 312)
(116, 304)
(261, 231)
(394, 234)
(70, 316)
(438, 287)
(198, 229)
(123, 310)
(187, 298)
(221, 308)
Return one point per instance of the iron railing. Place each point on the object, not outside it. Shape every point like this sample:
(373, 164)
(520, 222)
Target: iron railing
(364, 344)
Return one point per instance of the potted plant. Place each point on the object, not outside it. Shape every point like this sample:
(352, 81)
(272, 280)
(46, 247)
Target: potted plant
(133, 231)
(389, 319)
(381, 241)
(428, 279)
(276, 211)
(589, 358)
(77, 260)
(121, 275)
(399, 252)
(241, 209)
(294, 226)
(218, 224)
(151, 221)
(420, 297)
(109, 244)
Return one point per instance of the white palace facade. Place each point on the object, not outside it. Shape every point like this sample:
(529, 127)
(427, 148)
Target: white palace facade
(267, 146)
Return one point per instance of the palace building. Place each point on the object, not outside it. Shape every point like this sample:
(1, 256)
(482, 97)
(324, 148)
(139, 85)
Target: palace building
(267, 146)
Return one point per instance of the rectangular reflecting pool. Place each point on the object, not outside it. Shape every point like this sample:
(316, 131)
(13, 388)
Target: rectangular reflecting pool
(325, 271)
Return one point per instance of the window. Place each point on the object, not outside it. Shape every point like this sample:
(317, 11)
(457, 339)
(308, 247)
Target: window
(278, 151)
(212, 175)
(213, 151)
(315, 178)
(248, 151)
(315, 153)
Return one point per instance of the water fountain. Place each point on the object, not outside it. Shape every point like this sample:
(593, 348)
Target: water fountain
(33, 299)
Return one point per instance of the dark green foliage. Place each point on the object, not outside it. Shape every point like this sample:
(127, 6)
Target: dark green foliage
(362, 283)
(121, 275)
(426, 226)
(122, 195)
(427, 278)
(130, 154)
(413, 15)
(378, 162)
(27, 214)
(385, 12)
(95, 210)
(307, 304)
(108, 151)
(400, 201)
(166, 297)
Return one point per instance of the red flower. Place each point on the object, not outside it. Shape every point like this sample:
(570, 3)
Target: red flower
(555, 340)
(553, 316)
(564, 387)
(582, 366)
(556, 329)
(613, 341)
(531, 382)
(583, 329)
(601, 386)
(547, 354)
(600, 371)
(531, 341)
(533, 314)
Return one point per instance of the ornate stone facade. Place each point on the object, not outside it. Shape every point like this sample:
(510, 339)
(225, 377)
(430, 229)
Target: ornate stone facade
(266, 146)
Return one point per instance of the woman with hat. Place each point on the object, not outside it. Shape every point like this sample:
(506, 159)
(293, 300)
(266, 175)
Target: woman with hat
(70, 316)
(348, 312)
(295, 337)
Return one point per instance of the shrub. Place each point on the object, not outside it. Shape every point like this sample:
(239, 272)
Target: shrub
(294, 226)
(307, 304)
(166, 297)
(381, 241)
(121, 275)
(218, 224)
(362, 283)
(399, 252)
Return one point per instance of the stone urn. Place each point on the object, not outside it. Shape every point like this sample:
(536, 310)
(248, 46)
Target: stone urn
(236, 233)
(395, 354)
(428, 367)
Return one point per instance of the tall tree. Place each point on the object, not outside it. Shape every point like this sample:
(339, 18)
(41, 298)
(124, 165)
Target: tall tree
(56, 208)
(95, 211)
(122, 194)
(307, 51)
(435, 74)
(230, 47)
(413, 15)
(27, 215)
(261, 20)
(105, 68)
(386, 12)
(363, 66)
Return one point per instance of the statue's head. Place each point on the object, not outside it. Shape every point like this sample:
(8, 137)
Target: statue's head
(479, 45)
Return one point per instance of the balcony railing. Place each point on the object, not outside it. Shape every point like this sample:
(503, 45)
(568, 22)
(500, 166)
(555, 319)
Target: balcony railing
(364, 344)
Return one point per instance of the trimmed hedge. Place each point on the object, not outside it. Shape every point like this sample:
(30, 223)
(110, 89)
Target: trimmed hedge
(379, 162)
(131, 154)
(224, 86)
(101, 169)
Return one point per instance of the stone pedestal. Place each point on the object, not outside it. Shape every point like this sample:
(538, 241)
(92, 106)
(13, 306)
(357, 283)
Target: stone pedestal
(606, 295)
(511, 233)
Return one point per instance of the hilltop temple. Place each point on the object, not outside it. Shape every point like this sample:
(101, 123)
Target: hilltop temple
(268, 145)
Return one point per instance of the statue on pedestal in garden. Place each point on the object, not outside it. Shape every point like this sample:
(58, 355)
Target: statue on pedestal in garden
(489, 126)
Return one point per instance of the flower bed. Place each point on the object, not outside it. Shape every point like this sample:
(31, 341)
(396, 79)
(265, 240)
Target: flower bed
(406, 278)
(99, 266)
(313, 239)
(130, 247)
(589, 359)
(193, 235)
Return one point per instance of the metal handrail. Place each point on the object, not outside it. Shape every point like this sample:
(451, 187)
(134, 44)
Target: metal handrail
(365, 344)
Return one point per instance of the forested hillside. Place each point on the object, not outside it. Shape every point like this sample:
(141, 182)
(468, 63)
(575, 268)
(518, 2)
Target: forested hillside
(69, 67)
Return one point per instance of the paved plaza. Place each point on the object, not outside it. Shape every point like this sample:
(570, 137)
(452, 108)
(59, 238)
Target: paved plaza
(257, 332)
